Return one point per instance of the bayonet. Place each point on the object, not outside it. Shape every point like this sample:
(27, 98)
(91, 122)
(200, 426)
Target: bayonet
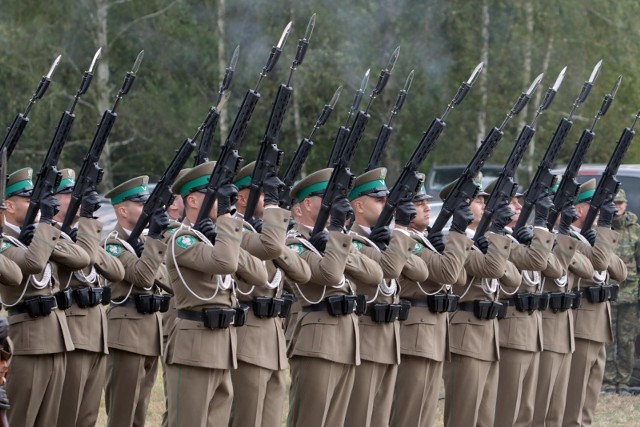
(384, 77)
(586, 88)
(274, 55)
(463, 90)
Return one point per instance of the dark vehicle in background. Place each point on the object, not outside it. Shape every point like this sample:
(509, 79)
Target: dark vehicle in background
(441, 175)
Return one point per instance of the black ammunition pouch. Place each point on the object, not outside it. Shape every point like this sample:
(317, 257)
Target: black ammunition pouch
(341, 305)
(561, 301)
(437, 303)
(577, 300)
(452, 302)
(88, 297)
(149, 303)
(361, 305)
(405, 306)
(264, 307)
(384, 313)
(543, 301)
(614, 292)
(64, 298)
(598, 294)
(218, 318)
(482, 309)
(36, 306)
(106, 295)
(287, 302)
(240, 316)
(165, 299)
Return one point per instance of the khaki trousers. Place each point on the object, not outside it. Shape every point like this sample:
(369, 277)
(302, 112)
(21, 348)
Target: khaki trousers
(371, 395)
(34, 387)
(130, 378)
(517, 382)
(471, 387)
(198, 396)
(417, 390)
(258, 396)
(320, 392)
(82, 391)
(551, 393)
(587, 370)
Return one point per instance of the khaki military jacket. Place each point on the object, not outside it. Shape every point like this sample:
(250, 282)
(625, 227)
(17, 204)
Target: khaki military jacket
(336, 272)
(425, 334)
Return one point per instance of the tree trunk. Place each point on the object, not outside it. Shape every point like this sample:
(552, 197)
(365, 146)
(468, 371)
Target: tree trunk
(223, 121)
(484, 57)
(101, 84)
(526, 66)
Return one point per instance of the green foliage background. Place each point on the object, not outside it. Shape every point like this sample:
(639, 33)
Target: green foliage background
(440, 39)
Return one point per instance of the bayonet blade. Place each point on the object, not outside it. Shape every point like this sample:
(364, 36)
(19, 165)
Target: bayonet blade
(95, 58)
(407, 83)
(393, 59)
(534, 85)
(234, 58)
(285, 34)
(633, 125)
(475, 74)
(310, 26)
(616, 85)
(365, 81)
(136, 65)
(336, 96)
(595, 72)
(559, 80)
(53, 66)
(223, 100)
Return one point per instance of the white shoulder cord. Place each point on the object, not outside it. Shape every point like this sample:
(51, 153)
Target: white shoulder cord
(598, 276)
(79, 274)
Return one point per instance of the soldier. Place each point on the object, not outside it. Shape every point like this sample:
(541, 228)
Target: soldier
(379, 327)
(86, 317)
(201, 349)
(39, 328)
(420, 373)
(620, 354)
(135, 328)
(259, 382)
(325, 345)
(593, 318)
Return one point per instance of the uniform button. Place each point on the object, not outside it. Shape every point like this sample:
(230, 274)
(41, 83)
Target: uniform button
(318, 319)
(344, 245)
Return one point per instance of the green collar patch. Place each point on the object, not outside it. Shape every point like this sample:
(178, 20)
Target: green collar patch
(245, 229)
(4, 245)
(297, 248)
(186, 241)
(114, 249)
(171, 230)
(417, 249)
(357, 244)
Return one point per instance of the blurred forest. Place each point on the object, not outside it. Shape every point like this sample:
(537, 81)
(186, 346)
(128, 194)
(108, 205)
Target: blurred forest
(188, 43)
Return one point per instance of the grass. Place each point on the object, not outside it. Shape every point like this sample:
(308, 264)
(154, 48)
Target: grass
(612, 410)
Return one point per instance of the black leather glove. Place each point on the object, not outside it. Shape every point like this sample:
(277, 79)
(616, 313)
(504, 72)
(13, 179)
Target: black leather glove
(319, 241)
(501, 217)
(436, 238)
(49, 207)
(272, 186)
(158, 223)
(256, 223)
(340, 211)
(567, 216)
(227, 196)
(26, 234)
(542, 208)
(483, 244)
(138, 247)
(208, 228)
(607, 211)
(591, 235)
(524, 235)
(405, 212)
(462, 217)
(381, 237)
(73, 234)
(90, 203)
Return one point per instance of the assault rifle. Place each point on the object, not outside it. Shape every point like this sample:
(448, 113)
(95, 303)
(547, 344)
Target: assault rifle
(91, 173)
(270, 156)
(505, 187)
(3, 186)
(569, 187)
(608, 185)
(409, 181)
(543, 179)
(20, 122)
(48, 177)
(300, 155)
(229, 160)
(465, 188)
(202, 153)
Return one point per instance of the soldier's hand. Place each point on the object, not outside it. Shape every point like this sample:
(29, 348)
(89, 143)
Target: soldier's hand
(436, 238)
(381, 237)
(90, 203)
(158, 223)
(405, 212)
(340, 211)
(26, 234)
(591, 235)
(73, 234)
(319, 241)
(138, 247)
(501, 218)
(567, 216)
(208, 228)
(272, 187)
(542, 208)
(49, 207)
(524, 235)
(227, 196)
(256, 223)
(607, 211)
(483, 244)
(462, 217)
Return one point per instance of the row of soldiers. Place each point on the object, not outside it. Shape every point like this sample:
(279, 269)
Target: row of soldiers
(516, 324)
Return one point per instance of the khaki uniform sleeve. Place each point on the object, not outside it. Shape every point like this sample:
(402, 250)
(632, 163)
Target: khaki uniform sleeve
(35, 257)
(617, 269)
(581, 266)
(512, 278)
(362, 269)
(89, 230)
(600, 253)
(398, 259)
(448, 267)
(294, 267)
(535, 256)
(327, 269)
(268, 244)
(10, 273)
(493, 264)
(560, 259)
(251, 269)
(109, 266)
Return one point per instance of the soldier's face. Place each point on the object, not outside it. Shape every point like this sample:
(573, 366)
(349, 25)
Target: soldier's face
(477, 208)
(243, 198)
(175, 209)
(128, 213)
(367, 209)
(193, 203)
(516, 207)
(16, 209)
(64, 200)
(421, 220)
(621, 208)
(308, 210)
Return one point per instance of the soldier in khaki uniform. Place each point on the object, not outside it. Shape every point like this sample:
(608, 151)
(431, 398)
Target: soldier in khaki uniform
(259, 382)
(379, 327)
(38, 328)
(593, 318)
(202, 344)
(86, 317)
(135, 328)
(325, 347)
(424, 334)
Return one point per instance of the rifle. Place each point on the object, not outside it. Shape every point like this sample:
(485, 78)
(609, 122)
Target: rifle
(269, 156)
(505, 187)
(48, 177)
(543, 179)
(342, 180)
(3, 186)
(409, 182)
(295, 166)
(91, 173)
(202, 153)
(465, 188)
(608, 185)
(229, 160)
(569, 187)
(385, 130)
(20, 122)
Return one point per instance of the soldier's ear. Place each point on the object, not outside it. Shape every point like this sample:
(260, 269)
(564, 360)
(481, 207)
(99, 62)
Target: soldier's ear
(10, 206)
